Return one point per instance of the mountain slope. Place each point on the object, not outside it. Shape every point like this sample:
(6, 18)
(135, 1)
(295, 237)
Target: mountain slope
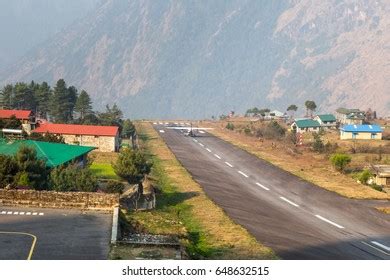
(193, 59)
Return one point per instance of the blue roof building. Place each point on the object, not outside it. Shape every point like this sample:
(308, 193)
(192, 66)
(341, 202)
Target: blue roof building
(361, 131)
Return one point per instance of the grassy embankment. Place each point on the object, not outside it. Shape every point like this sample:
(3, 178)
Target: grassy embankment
(184, 209)
(310, 166)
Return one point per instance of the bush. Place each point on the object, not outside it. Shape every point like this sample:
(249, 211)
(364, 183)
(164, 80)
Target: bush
(131, 165)
(377, 188)
(318, 144)
(272, 131)
(247, 131)
(364, 176)
(340, 161)
(230, 126)
(114, 187)
(8, 169)
(72, 178)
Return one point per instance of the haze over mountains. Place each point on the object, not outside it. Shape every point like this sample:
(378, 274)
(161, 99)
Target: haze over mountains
(195, 59)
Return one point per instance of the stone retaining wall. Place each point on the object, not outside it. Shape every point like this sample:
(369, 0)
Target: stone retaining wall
(51, 199)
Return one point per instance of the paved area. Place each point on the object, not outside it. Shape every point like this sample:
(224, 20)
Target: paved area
(297, 219)
(53, 234)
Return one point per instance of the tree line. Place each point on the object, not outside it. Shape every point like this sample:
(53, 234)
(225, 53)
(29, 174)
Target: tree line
(61, 104)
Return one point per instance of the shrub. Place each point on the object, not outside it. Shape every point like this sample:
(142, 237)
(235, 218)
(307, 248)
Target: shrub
(377, 187)
(318, 144)
(247, 131)
(230, 126)
(63, 178)
(8, 169)
(272, 131)
(114, 187)
(131, 165)
(340, 161)
(364, 176)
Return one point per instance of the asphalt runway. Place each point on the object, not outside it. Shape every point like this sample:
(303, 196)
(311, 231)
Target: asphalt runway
(295, 218)
(53, 234)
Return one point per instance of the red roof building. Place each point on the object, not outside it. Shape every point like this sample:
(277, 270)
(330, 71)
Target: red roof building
(104, 138)
(78, 129)
(19, 114)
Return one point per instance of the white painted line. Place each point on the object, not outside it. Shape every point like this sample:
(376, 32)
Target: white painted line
(329, 221)
(243, 174)
(207, 149)
(16, 213)
(289, 201)
(160, 123)
(3, 212)
(162, 131)
(41, 214)
(228, 164)
(217, 156)
(35, 213)
(9, 213)
(201, 144)
(194, 140)
(375, 248)
(262, 186)
(201, 131)
(21, 213)
(381, 245)
(154, 123)
(176, 123)
(28, 213)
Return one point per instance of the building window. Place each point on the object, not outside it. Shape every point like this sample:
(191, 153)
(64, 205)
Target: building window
(354, 134)
(373, 135)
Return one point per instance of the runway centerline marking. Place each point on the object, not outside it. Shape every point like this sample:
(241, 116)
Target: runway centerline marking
(228, 164)
(243, 174)
(262, 186)
(207, 149)
(288, 201)
(329, 221)
(217, 156)
(162, 131)
(201, 144)
(194, 140)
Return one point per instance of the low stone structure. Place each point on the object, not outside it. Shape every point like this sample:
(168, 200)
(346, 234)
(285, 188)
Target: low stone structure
(51, 199)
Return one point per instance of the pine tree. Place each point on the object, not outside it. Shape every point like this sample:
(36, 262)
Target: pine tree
(59, 103)
(83, 105)
(6, 97)
(42, 96)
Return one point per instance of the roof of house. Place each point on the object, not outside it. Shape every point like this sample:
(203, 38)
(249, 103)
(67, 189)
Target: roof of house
(327, 118)
(346, 111)
(356, 116)
(305, 123)
(54, 154)
(372, 128)
(381, 170)
(76, 129)
(19, 114)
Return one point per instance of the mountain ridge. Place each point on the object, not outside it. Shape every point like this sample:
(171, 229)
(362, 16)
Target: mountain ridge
(194, 60)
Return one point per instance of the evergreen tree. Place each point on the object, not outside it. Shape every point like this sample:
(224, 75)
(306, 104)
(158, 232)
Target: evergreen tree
(310, 107)
(23, 97)
(112, 116)
(59, 103)
(6, 94)
(42, 96)
(128, 129)
(83, 105)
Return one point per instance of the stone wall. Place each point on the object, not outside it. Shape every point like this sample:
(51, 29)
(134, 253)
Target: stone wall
(103, 143)
(51, 199)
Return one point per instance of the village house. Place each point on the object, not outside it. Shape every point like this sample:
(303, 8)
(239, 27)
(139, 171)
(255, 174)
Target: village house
(326, 120)
(362, 131)
(350, 116)
(54, 154)
(104, 138)
(305, 125)
(26, 117)
(381, 175)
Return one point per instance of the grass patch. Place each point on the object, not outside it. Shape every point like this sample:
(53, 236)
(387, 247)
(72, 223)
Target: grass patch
(385, 210)
(185, 210)
(104, 171)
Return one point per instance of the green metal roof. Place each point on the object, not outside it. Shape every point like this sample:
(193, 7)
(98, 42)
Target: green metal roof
(307, 123)
(327, 118)
(346, 111)
(54, 154)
